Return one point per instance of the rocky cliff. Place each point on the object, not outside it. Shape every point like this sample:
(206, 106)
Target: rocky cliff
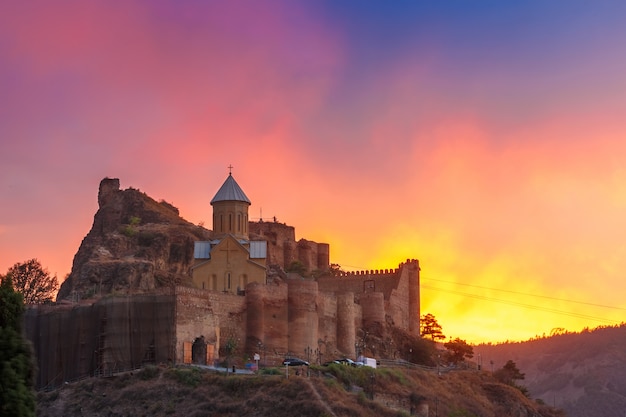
(135, 244)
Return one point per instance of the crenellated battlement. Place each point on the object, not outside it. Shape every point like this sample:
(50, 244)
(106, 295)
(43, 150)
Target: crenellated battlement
(374, 273)
(368, 273)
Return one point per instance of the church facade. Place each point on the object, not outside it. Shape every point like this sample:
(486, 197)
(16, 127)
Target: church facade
(231, 261)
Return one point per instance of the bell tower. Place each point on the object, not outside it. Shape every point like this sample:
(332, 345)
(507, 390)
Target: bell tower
(230, 210)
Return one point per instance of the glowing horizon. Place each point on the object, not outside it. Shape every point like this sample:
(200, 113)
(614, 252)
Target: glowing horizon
(485, 140)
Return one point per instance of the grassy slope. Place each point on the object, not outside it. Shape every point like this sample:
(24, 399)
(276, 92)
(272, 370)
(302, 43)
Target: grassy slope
(338, 391)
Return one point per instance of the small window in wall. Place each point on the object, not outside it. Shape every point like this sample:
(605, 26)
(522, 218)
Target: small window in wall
(203, 287)
(230, 222)
(221, 223)
(213, 282)
(227, 281)
(239, 222)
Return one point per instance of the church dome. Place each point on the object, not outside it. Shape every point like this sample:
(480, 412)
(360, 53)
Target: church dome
(230, 191)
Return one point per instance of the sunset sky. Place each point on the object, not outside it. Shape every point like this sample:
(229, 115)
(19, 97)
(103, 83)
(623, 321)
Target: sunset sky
(486, 139)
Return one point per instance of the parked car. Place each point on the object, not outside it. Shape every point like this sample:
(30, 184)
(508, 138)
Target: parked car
(346, 361)
(295, 362)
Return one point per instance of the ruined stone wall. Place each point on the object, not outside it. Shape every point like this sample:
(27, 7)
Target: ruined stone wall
(112, 334)
(282, 248)
(280, 241)
(194, 319)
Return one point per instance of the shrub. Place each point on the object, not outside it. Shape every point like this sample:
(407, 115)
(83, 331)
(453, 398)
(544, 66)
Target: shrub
(128, 230)
(149, 372)
(190, 377)
(145, 238)
(271, 371)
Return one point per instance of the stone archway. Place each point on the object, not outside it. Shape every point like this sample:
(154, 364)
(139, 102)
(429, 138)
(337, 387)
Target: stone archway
(198, 351)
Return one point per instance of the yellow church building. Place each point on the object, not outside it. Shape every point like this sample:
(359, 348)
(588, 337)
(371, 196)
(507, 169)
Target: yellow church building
(231, 260)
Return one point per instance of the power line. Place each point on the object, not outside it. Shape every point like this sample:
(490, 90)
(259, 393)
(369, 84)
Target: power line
(523, 305)
(527, 294)
(518, 304)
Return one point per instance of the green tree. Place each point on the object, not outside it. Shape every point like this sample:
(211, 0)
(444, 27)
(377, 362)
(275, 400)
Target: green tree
(458, 350)
(33, 282)
(17, 397)
(429, 327)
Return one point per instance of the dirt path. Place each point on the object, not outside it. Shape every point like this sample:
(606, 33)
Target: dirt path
(317, 395)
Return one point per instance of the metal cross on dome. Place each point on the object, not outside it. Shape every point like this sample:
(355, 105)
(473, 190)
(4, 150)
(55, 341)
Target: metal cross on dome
(230, 169)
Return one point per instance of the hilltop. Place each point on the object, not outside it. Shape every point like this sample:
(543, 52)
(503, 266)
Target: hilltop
(582, 373)
(336, 391)
(135, 244)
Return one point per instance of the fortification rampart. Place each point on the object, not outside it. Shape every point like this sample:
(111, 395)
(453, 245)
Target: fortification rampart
(360, 282)
(306, 318)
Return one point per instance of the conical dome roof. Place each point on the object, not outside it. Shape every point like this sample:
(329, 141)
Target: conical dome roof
(230, 191)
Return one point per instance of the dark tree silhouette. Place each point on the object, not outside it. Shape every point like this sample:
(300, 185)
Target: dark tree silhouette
(509, 373)
(458, 350)
(430, 328)
(33, 282)
(17, 397)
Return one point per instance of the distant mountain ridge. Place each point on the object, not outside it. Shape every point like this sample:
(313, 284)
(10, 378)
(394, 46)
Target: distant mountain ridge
(582, 373)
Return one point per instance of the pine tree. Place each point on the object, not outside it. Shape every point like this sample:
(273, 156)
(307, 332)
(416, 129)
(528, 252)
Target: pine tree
(431, 328)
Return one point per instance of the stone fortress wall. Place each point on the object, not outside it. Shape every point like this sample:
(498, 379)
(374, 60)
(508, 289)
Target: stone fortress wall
(314, 319)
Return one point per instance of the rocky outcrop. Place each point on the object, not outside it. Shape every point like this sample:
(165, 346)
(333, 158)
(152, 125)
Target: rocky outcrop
(135, 244)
